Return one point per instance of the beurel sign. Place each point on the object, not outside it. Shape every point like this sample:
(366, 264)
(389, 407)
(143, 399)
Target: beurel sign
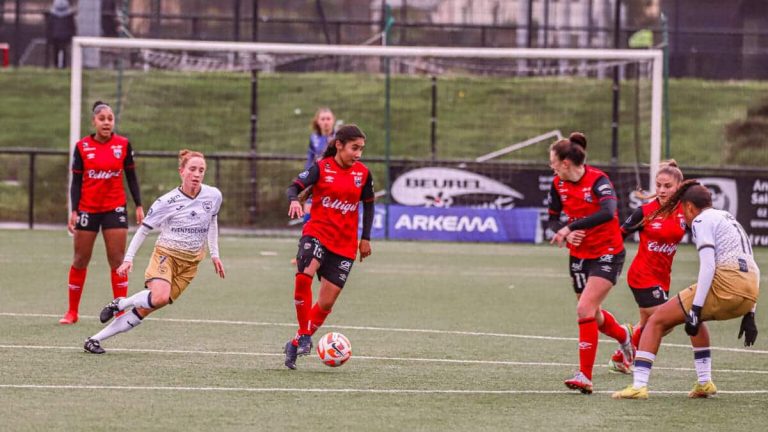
(449, 187)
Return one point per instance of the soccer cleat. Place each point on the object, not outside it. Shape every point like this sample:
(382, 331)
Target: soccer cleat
(109, 310)
(703, 390)
(290, 355)
(631, 393)
(617, 364)
(93, 346)
(69, 318)
(580, 382)
(305, 345)
(626, 348)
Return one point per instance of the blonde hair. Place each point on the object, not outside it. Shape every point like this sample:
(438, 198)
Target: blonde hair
(316, 118)
(185, 155)
(668, 167)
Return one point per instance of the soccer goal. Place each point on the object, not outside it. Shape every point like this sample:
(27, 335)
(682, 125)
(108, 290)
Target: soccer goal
(252, 104)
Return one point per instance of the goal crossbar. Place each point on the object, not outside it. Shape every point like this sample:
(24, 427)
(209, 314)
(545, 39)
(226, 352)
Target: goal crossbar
(654, 56)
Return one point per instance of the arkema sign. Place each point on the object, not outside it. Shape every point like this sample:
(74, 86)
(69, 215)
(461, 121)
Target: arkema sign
(463, 224)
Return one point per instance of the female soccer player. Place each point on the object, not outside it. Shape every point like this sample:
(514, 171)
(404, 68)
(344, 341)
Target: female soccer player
(329, 243)
(322, 134)
(187, 220)
(649, 274)
(727, 287)
(586, 196)
(98, 202)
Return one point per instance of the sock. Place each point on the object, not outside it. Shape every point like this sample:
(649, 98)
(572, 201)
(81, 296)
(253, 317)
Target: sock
(76, 283)
(302, 298)
(119, 325)
(702, 357)
(612, 328)
(587, 345)
(317, 318)
(636, 336)
(643, 364)
(142, 300)
(119, 284)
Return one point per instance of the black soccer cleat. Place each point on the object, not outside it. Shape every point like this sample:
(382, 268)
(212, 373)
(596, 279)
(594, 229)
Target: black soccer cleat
(93, 346)
(305, 345)
(110, 310)
(290, 355)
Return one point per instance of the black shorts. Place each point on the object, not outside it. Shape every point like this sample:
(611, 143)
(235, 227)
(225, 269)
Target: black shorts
(334, 268)
(607, 267)
(116, 218)
(650, 297)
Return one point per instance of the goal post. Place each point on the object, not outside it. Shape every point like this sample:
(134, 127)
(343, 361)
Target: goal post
(464, 75)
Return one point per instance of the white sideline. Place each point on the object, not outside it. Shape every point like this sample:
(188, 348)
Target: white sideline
(359, 357)
(385, 329)
(341, 390)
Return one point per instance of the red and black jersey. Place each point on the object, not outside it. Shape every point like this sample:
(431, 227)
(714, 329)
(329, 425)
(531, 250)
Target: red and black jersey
(581, 199)
(659, 238)
(97, 170)
(336, 194)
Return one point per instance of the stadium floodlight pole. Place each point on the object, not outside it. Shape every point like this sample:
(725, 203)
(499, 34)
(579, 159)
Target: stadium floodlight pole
(616, 89)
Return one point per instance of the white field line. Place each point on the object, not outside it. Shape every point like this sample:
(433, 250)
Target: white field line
(375, 358)
(383, 329)
(338, 390)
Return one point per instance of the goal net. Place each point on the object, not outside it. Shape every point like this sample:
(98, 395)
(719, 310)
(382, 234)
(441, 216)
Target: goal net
(248, 107)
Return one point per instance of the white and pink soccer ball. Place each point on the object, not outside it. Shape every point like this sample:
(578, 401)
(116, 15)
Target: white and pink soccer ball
(334, 349)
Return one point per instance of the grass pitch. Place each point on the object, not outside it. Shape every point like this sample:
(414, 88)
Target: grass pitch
(445, 337)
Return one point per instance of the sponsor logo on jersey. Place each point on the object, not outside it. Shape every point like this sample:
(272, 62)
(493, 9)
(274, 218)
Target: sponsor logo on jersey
(174, 198)
(663, 248)
(656, 225)
(90, 156)
(328, 179)
(103, 175)
(343, 206)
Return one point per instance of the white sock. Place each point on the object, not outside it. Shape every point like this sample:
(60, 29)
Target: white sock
(702, 358)
(119, 325)
(141, 299)
(643, 364)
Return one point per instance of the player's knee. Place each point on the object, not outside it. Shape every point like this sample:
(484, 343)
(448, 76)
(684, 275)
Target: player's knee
(584, 311)
(81, 260)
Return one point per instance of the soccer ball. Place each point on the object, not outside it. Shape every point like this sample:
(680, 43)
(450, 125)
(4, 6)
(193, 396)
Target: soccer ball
(334, 349)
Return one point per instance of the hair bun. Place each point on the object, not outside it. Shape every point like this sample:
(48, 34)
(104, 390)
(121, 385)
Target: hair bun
(670, 163)
(578, 138)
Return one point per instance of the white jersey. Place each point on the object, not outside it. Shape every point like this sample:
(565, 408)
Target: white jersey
(184, 221)
(719, 230)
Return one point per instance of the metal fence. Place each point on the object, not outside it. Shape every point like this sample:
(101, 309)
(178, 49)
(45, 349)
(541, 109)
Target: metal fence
(697, 48)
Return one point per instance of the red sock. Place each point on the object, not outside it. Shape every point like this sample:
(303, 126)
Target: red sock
(587, 345)
(302, 298)
(612, 328)
(119, 285)
(76, 283)
(317, 318)
(636, 336)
